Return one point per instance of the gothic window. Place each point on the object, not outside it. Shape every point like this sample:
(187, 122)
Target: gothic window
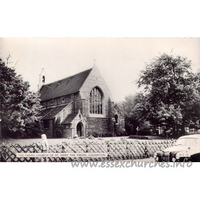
(96, 98)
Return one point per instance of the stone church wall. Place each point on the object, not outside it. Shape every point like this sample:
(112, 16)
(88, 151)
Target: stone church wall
(67, 132)
(95, 79)
(100, 126)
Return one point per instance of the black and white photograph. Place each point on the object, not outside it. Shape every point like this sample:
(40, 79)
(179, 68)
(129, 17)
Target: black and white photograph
(100, 99)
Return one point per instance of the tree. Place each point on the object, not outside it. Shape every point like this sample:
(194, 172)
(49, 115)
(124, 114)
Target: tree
(136, 108)
(20, 107)
(172, 92)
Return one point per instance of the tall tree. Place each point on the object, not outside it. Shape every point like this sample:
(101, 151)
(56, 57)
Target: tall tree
(172, 91)
(135, 109)
(19, 108)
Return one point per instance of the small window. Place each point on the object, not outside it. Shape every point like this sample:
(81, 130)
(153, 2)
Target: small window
(43, 79)
(46, 124)
(53, 102)
(63, 100)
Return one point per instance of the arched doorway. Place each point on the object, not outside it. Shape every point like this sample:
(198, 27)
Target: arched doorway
(79, 129)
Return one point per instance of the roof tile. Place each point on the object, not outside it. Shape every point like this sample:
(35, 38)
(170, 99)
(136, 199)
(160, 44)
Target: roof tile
(63, 87)
(69, 119)
(54, 112)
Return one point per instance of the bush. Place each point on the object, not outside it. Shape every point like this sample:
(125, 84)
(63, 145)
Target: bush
(59, 131)
(91, 137)
(121, 133)
(82, 137)
(138, 137)
(94, 134)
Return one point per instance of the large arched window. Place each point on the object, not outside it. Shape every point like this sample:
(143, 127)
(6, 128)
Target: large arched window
(96, 98)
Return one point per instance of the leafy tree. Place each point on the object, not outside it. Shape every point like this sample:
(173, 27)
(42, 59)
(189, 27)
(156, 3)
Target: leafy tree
(136, 109)
(19, 106)
(172, 92)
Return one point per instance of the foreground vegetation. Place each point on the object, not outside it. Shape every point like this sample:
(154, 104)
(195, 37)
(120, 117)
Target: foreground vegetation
(118, 149)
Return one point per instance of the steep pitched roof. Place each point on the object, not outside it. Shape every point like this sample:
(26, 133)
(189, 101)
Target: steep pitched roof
(45, 112)
(69, 119)
(63, 87)
(53, 112)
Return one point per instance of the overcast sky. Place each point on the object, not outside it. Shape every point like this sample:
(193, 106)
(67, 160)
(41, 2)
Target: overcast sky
(119, 60)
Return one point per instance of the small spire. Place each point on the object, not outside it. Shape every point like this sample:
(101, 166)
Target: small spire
(94, 63)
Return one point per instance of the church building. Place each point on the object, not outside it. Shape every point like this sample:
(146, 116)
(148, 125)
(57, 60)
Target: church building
(79, 105)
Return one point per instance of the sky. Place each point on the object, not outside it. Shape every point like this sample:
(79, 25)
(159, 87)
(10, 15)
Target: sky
(120, 60)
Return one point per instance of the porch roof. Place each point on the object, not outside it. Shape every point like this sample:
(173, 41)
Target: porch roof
(45, 112)
(70, 118)
(53, 112)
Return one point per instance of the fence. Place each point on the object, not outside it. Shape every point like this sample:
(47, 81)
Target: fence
(116, 150)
